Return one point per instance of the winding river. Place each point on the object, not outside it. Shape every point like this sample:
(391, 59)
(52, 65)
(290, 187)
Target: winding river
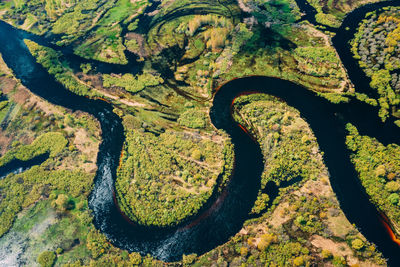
(226, 215)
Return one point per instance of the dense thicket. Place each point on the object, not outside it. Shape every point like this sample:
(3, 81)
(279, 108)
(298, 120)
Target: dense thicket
(51, 60)
(377, 47)
(163, 180)
(379, 170)
(132, 83)
(52, 143)
(290, 149)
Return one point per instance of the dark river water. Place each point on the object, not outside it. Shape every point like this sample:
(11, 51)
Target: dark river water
(17, 166)
(225, 216)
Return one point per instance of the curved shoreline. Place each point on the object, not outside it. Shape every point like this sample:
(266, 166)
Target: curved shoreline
(226, 217)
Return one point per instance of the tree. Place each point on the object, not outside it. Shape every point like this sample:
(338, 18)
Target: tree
(46, 258)
(339, 261)
(298, 261)
(394, 198)
(188, 259)
(135, 258)
(86, 68)
(391, 176)
(96, 243)
(265, 241)
(380, 171)
(305, 139)
(392, 186)
(196, 154)
(357, 244)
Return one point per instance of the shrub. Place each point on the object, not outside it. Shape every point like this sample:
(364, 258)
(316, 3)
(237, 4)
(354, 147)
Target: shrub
(301, 220)
(392, 186)
(298, 261)
(193, 118)
(265, 241)
(391, 176)
(188, 259)
(394, 198)
(96, 243)
(196, 154)
(52, 143)
(357, 244)
(135, 258)
(51, 60)
(339, 261)
(132, 83)
(326, 254)
(244, 251)
(380, 170)
(46, 258)
(62, 202)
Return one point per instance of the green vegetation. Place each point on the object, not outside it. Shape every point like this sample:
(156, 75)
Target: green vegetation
(46, 258)
(130, 83)
(51, 60)
(251, 50)
(105, 43)
(300, 54)
(213, 30)
(4, 106)
(318, 61)
(225, 8)
(288, 144)
(276, 14)
(52, 143)
(132, 45)
(376, 46)
(86, 68)
(82, 17)
(163, 180)
(68, 232)
(100, 22)
(304, 225)
(35, 16)
(332, 13)
(30, 132)
(379, 170)
(193, 118)
(26, 188)
(173, 160)
(197, 41)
